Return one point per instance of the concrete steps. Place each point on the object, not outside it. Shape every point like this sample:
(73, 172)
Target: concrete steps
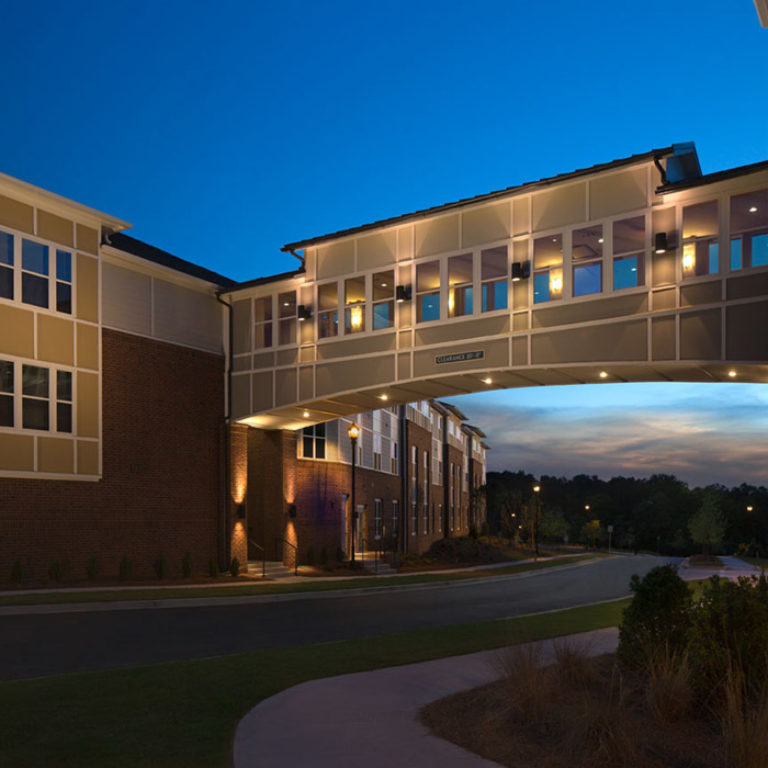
(274, 569)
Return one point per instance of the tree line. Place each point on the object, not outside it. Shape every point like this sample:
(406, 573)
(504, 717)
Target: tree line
(659, 513)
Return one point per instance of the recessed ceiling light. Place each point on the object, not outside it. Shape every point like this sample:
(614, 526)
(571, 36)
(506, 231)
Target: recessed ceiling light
(487, 380)
(383, 285)
(601, 240)
(286, 303)
(383, 397)
(753, 209)
(603, 375)
(305, 414)
(554, 239)
(732, 374)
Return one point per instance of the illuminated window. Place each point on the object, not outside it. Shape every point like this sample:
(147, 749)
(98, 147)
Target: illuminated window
(548, 268)
(6, 393)
(460, 285)
(35, 401)
(354, 304)
(313, 442)
(6, 265)
(383, 300)
(493, 276)
(587, 257)
(328, 310)
(64, 281)
(749, 230)
(428, 291)
(262, 328)
(628, 253)
(34, 273)
(286, 311)
(700, 245)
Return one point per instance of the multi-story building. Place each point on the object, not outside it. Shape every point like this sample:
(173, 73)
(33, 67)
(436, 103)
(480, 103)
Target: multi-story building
(151, 408)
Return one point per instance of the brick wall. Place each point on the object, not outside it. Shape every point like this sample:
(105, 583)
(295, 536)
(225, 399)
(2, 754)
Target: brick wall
(161, 491)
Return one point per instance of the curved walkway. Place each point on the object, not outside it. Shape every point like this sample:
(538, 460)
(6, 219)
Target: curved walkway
(371, 718)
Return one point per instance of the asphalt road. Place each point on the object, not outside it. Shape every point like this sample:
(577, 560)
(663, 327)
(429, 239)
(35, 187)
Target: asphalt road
(45, 644)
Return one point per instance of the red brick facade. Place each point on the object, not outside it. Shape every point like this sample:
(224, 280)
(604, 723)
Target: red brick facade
(161, 494)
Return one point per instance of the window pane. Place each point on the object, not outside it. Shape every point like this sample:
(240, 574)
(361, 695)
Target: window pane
(6, 411)
(262, 335)
(354, 319)
(320, 449)
(288, 331)
(34, 381)
(587, 278)
(64, 266)
(460, 301)
(64, 386)
(588, 243)
(64, 298)
(6, 376)
(494, 295)
(286, 303)
(383, 285)
(327, 324)
(626, 272)
(428, 276)
(34, 414)
(541, 287)
(328, 296)
(460, 269)
(714, 258)
(700, 220)
(629, 235)
(747, 211)
(6, 248)
(760, 251)
(383, 315)
(6, 283)
(307, 445)
(428, 307)
(63, 417)
(320, 429)
(736, 253)
(354, 290)
(34, 257)
(493, 263)
(34, 290)
(548, 251)
(262, 309)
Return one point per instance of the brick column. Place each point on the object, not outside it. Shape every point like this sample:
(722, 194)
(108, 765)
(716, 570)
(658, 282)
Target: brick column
(237, 498)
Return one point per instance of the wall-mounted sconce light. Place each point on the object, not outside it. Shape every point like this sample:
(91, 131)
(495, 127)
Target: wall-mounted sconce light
(403, 293)
(240, 511)
(660, 242)
(521, 270)
(292, 510)
(305, 312)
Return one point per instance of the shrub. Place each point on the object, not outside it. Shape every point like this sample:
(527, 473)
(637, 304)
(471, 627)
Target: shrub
(16, 574)
(530, 686)
(125, 568)
(213, 568)
(186, 565)
(659, 616)
(669, 693)
(159, 566)
(473, 534)
(92, 568)
(341, 556)
(464, 550)
(234, 567)
(310, 556)
(323, 556)
(55, 571)
(744, 720)
(573, 665)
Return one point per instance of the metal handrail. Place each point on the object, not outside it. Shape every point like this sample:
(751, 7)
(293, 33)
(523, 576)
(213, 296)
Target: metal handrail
(263, 557)
(296, 550)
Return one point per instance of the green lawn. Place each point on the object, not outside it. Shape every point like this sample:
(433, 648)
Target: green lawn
(185, 713)
(273, 588)
(760, 562)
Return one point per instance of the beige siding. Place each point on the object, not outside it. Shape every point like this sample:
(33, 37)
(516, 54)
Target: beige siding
(55, 455)
(52, 227)
(700, 335)
(87, 288)
(22, 341)
(437, 235)
(127, 299)
(336, 259)
(87, 346)
(187, 317)
(618, 193)
(17, 453)
(560, 207)
(16, 215)
(612, 342)
(485, 224)
(55, 340)
(376, 250)
(87, 239)
(87, 404)
(87, 457)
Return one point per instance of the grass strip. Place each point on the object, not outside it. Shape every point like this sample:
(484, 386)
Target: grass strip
(272, 588)
(185, 713)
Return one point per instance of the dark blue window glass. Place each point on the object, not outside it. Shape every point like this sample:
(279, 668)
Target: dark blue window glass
(541, 287)
(714, 259)
(64, 298)
(6, 248)
(382, 315)
(430, 307)
(34, 290)
(6, 283)
(494, 295)
(64, 265)
(760, 251)
(34, 257)
(587, 279)
(625, 273)
(736, 253)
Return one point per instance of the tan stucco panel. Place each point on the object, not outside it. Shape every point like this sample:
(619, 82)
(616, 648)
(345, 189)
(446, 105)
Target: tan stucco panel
(56, 455)
(17, 453)
(17, 336)
(306, 383)
(87, 457)
(87, 404)
(520, 294)
(485, 224)
(241, 326)
(520, 351)
(663, 338)
(242, 363)
(352, 374)
(466, 330)
(285, 386)
(55, 340)
(287, 357)
(583, 311)
(404, 243)
(747, 286)
(264, 360)
(520, 321)
(437, 235)
(664, 268)
(741, 340)
(404, 366)
(700, 293)
(700, 335)
(521, 214)
(351, 347)
(611, 342)
(241, 395)
(664, 299)
(376, 250)
(87, 346)
(336, 259)
(87, 280)
(617, 193)
(558, 207)
(261, 390)
(16, 215)
(55, 228)
(87, 239)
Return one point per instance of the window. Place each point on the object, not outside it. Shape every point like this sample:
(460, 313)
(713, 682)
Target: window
(425, 497)
(64, 281)
(395, 517)
(313, 442)
(6, 393)
(354, 305)
(493, 276)
(547, 268)
(700, 245)
(6, 265)
(377, 518)
(440, 518)
(629, 253)
(262, 316)
(35, 401)
(749, 230)
(587, 258)
(460, 285)
(34, 273)
(376, 450)
(393, 458)
(63, 401)
(328, 310)
(286, 311)
(383, 300)
(428, 291)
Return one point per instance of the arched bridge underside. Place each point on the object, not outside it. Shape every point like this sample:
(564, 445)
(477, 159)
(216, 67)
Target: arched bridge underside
(614, 274)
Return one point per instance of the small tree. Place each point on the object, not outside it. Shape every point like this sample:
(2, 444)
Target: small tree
(553, 524)
(707, 526)
(591, 531)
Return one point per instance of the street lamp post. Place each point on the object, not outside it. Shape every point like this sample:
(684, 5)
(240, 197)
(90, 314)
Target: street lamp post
(536, 491)
(354, 433)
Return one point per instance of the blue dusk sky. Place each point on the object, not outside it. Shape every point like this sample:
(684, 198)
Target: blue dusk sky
(224, 130)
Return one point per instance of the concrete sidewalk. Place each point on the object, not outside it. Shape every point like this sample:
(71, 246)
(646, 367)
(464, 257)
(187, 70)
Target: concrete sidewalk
(733, 567)
(371, 718)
